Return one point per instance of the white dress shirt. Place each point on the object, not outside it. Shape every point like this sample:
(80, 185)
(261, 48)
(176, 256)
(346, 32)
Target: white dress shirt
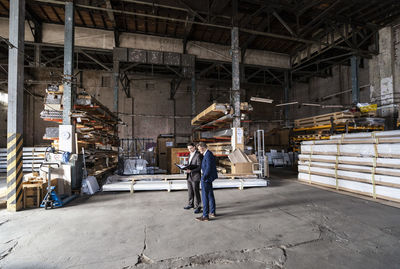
(191, 156)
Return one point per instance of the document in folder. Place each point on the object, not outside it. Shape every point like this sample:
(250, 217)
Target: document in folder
(186, 167)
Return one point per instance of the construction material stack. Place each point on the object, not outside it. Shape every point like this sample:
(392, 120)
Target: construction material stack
(95, 128)
(214, 126)
(362, 163)
(321, 127)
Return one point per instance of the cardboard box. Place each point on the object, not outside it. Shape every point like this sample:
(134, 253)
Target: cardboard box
(242, 168)
(241, 163)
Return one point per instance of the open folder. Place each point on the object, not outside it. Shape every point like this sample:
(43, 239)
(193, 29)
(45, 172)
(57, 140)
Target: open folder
(186, 166)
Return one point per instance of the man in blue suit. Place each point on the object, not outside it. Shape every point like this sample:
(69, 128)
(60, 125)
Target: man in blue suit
(209, 169)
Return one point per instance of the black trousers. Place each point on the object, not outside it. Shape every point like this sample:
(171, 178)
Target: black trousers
(194, 193)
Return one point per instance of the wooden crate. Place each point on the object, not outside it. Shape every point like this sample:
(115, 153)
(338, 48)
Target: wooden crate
(172, 158)
(32, 194)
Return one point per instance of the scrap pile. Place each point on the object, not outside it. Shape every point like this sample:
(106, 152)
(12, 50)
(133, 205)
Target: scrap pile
(321, 127)
(362, 163)
(213, 125)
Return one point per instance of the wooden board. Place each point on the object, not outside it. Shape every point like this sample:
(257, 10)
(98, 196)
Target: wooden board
(211, 113)
(324, 119)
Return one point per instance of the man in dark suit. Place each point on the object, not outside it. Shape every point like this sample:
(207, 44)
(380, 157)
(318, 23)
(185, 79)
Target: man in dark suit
(209, 169)
(193, 176)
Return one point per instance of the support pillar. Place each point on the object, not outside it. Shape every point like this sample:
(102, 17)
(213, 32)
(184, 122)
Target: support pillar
(37, 55)
(235, 50)
(355, 89)
(116, 84)
(193, 95)
(15, 116)
(69, 34)
(235, 76)
(286, 97)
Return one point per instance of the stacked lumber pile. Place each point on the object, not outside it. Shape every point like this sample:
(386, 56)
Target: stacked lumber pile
(321, 127)
(362, 163)
(324, 119)
(213, 125)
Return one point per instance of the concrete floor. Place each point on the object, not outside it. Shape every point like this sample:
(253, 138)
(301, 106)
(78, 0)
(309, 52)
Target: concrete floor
(287, 225)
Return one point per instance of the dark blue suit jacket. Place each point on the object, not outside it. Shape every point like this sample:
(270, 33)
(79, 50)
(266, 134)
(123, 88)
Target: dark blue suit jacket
(209, 167)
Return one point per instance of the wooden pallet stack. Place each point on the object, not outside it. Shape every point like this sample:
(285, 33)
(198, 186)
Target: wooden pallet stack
(321, 127)
(361, 163)
(213, 126)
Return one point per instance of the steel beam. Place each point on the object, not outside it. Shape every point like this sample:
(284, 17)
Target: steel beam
(193, 82)
(355, 89)
(15, 116)
(286, 97)
(69, 35)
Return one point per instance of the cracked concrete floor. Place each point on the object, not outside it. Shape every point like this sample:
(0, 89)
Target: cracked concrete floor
(287, 225)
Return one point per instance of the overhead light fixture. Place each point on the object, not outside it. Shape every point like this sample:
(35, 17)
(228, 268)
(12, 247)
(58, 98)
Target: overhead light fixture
(332, 106)
(287, 104)
(309, 104)
(4, 97)
(261, 100)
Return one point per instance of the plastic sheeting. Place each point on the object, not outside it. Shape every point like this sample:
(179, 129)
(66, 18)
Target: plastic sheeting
(383, 192)
(135, 167)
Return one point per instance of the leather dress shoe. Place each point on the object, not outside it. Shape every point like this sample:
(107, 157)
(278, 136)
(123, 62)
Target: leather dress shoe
(188, 207)
(197, 211)
(202, 218)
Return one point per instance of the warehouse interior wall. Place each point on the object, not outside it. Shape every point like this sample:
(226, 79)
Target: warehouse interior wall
(149, 109)
(318, 90)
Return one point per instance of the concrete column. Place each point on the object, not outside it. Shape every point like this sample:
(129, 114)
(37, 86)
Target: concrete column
(116, 84)
(355, 89)
(37, 55)
(384, 74)
(235, 76)
(69, 35)
(15, 116)
(193, 95)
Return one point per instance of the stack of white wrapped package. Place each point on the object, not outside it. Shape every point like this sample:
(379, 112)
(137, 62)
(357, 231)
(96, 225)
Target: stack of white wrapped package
(362, 163)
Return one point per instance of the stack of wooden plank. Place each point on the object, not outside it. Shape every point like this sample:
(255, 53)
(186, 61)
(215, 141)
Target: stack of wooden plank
(322, 126)
(218, 112)
(324, 119)
(213, 126)
(362, 163)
